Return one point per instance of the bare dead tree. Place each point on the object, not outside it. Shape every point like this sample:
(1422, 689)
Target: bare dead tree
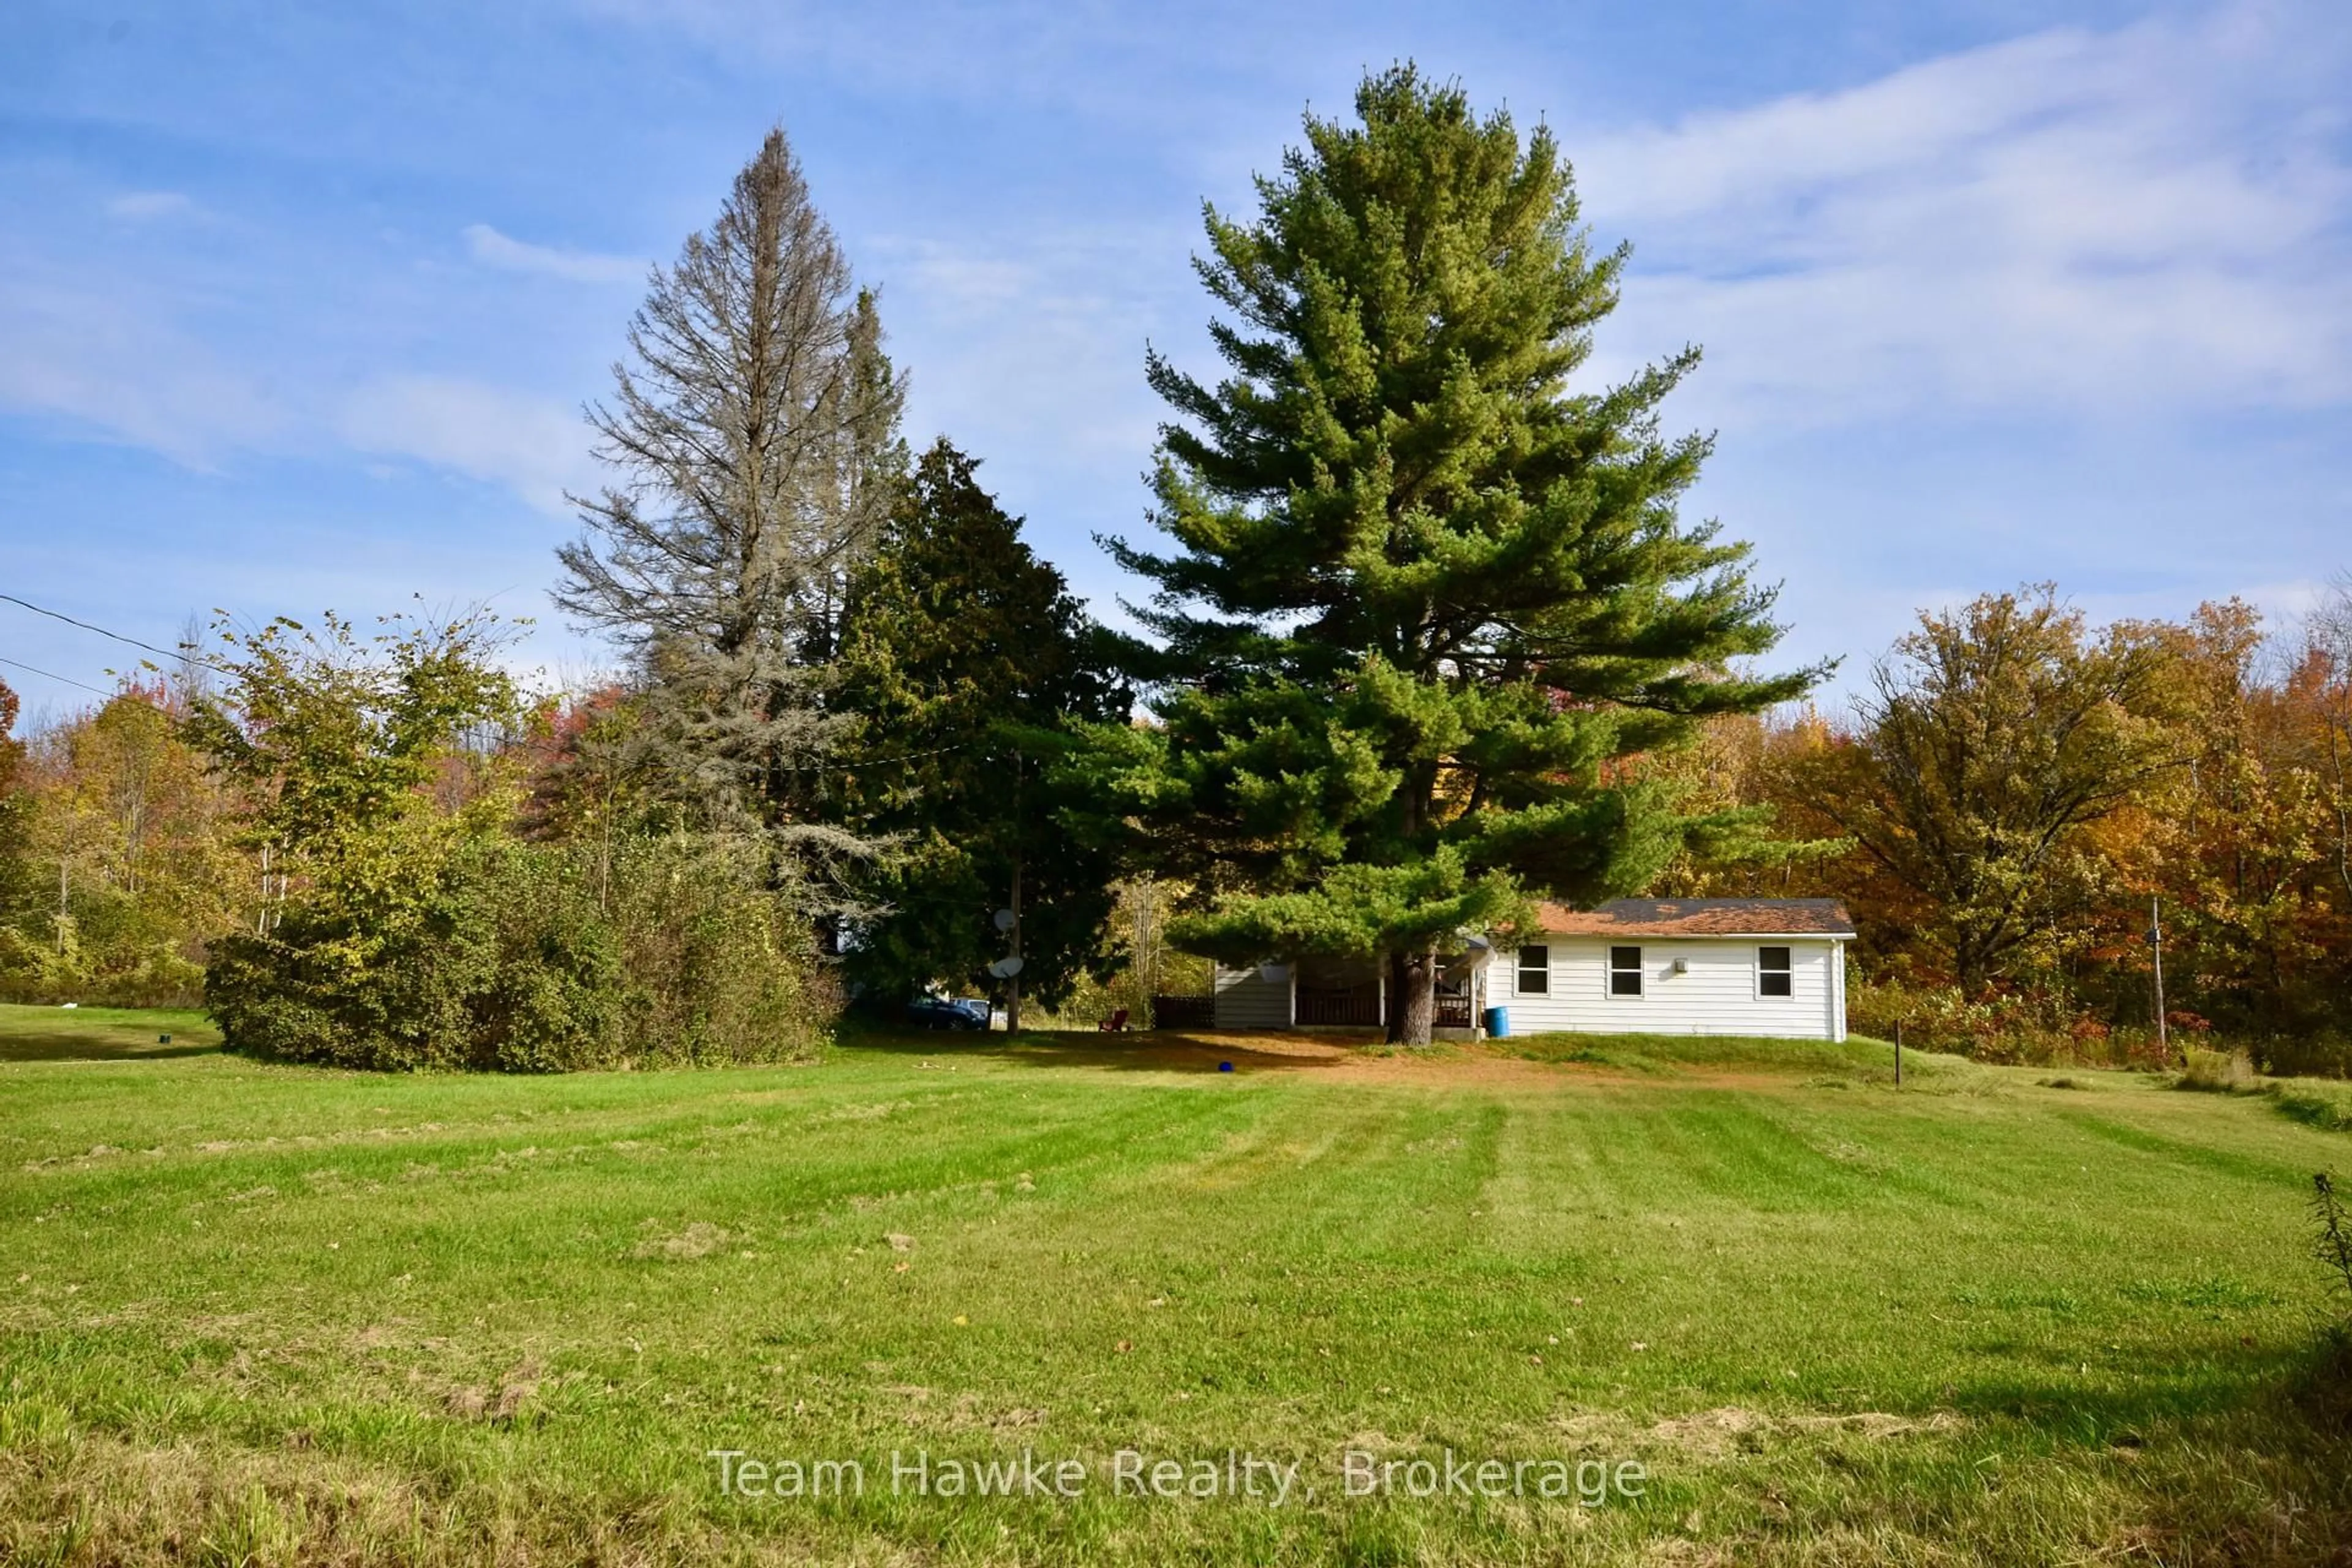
(753, 435)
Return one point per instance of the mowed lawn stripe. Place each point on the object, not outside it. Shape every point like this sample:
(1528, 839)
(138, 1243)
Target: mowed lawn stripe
(1823, 1316)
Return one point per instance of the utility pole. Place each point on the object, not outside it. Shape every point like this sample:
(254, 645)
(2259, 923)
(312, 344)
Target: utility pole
(1145, 968)
(1013, 985)
(2156, 946)
(1012, 990)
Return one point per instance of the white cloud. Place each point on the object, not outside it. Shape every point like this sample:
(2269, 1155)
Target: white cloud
(108, 365)
(1027, 352)
(2158, 218)
(102, 361)
(140, 205)
(1042, 335)
(491, 249)
(1031, 50)
(533, 446)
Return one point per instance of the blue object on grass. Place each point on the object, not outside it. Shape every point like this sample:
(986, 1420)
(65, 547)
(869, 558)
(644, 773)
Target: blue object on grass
(1224, 1067)
(1498, 1022)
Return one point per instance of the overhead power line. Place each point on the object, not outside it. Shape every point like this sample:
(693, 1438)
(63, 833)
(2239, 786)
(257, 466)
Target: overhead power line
(189, 653)
(195, 657)
(51, 674)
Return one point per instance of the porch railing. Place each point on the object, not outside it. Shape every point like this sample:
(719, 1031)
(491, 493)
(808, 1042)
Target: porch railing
(1356, 1005)
(1183, 1012)
(1359, 1006)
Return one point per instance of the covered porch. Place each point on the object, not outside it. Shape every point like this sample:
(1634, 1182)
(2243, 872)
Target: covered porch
(1350, 994)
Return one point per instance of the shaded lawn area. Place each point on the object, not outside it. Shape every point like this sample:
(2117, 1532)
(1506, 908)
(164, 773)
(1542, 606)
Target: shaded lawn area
(270, 1314)
(103, 1034)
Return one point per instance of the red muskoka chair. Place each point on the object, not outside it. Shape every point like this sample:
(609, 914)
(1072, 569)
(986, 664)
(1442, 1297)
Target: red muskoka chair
(1113, 1025)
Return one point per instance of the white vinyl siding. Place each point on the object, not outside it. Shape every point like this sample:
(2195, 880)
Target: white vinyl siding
(1717, 993)
(1247, 999)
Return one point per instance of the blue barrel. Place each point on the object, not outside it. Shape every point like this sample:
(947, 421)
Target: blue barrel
(1498, 1022)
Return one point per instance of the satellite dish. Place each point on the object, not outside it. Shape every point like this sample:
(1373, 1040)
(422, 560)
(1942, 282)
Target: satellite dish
(1005, 968)
(1007, 919)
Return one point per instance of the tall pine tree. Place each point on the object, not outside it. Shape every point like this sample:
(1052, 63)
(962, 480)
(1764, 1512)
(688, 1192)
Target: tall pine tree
(971, 665)
(1428, 595)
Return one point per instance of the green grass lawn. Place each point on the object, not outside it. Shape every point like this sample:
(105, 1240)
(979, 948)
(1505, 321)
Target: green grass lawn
(257, 1314)
(103, 1034)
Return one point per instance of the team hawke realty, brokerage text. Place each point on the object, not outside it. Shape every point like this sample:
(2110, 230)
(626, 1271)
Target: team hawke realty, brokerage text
(1589, 1483)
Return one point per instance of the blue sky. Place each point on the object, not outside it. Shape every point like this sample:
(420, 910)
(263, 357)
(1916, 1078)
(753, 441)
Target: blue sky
(298, 305)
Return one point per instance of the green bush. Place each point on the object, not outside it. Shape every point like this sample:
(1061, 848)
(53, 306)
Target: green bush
(2216, 1071)
(2308, 1056)
(2323, 1105)
(2047, 1028)
(111, 951)
(1999, 1028)
(531, 958)
(716, 968)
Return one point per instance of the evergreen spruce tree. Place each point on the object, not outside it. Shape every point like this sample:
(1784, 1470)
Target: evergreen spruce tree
(970, 663)
(1428, 594)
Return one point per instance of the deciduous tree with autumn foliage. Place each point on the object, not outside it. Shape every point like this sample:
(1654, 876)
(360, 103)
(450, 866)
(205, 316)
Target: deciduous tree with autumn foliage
(2016, 791)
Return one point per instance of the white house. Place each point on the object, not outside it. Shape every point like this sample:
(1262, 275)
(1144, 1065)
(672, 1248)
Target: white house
(1654, 966)
(1682, 966)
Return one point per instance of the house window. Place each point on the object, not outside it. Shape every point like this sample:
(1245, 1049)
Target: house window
(1535, 971)
(1625, 972)
(1774, 975)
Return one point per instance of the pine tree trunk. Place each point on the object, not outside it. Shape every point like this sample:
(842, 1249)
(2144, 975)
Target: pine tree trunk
(1417, 1008)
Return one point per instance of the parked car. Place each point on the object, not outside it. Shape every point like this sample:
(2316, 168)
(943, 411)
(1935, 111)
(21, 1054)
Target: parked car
(947, 1013)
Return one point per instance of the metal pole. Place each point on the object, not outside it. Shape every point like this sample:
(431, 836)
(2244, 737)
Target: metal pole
(2156, 945)
(1898, 1053)
(1012, 993)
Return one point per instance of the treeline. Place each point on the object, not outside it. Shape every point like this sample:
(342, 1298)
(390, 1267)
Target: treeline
(1428, 641)
(2016, 800)
(372, 848)
(834, 750)
(2006, 808)
(119, 858)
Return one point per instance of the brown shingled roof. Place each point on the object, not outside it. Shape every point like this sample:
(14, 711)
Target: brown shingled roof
(1701, 917)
